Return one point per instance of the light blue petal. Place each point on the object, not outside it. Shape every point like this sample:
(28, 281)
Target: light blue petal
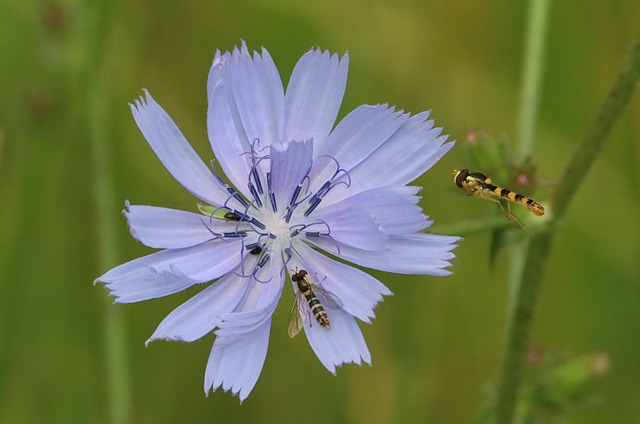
(149, 284)
(172, 270)
(314, 95)
(199, 315)
(395, 209)
(366, 219)
(226, 133)
(174, 151)
(359, 134)
(264, 288)
(404, 148)
(290, 162)
(243, 335)
(341, 344)
(236, 326)
(406, 155)
(259, 96)
(239, 351)
(413, 254)
(354, 227)
(170, 228)
(237, 366)
(246, 108)
(358, 291)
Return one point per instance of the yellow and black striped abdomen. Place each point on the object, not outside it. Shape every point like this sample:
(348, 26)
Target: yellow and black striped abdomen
(318, 311)
(532, 205)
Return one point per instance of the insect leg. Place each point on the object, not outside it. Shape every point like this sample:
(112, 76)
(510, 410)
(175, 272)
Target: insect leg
(490, 196)
(509, 215)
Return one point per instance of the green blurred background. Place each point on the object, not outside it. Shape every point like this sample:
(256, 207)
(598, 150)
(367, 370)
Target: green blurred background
(437, 343)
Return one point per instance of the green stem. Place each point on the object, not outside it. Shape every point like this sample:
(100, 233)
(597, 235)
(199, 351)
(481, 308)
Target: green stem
(541, 242)
(532, 75)
(530, 93)
(586, 153)
(114, 327)
(93, 101)
(520, 325)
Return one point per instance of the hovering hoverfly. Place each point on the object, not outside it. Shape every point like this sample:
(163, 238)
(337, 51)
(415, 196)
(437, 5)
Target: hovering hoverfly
(310, 299)
(478, 184)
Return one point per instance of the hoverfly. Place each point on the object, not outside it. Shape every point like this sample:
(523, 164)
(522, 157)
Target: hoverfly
(219, 213)
(232, 216)
(310, 299)
(478, 184)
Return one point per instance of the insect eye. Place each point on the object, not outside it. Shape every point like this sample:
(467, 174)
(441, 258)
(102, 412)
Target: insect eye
(461, 177)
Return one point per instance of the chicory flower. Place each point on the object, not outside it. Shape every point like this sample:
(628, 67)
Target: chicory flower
(295, 189)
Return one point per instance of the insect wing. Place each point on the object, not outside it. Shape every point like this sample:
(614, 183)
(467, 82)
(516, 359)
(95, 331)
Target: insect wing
(327, 298)
(296, 317)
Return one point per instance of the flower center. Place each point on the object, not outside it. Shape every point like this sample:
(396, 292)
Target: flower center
(275, 225)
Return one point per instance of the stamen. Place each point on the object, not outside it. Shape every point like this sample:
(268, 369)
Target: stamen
(255, 194)
(296, 229)
(294, 197)
(322, 190)
(256, 178)
(272, 196)
(227, 235)
(216, 235)
(298, 189)
(327, 235)
(338, 169)
(262, 261)
(233, 215)
(327, 186)
(288, 254)
(257, 223)
(229, 189)
(254, 248)
(294, 203)
(234, 234)
(287, 216)
(313, 204)
(232, 191)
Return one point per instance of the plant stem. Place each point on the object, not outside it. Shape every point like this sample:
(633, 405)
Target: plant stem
(93, 35)
(532, 75)
(540, 243)
(116, 369)
(591, 145)
(530, 93)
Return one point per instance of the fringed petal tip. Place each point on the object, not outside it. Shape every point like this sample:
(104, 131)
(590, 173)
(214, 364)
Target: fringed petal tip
(241, 395)
(318, 51)
(360, 361)
(141, 101)
(175, 338)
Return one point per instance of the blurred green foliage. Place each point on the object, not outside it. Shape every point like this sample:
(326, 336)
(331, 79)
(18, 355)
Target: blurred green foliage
(437, 342)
